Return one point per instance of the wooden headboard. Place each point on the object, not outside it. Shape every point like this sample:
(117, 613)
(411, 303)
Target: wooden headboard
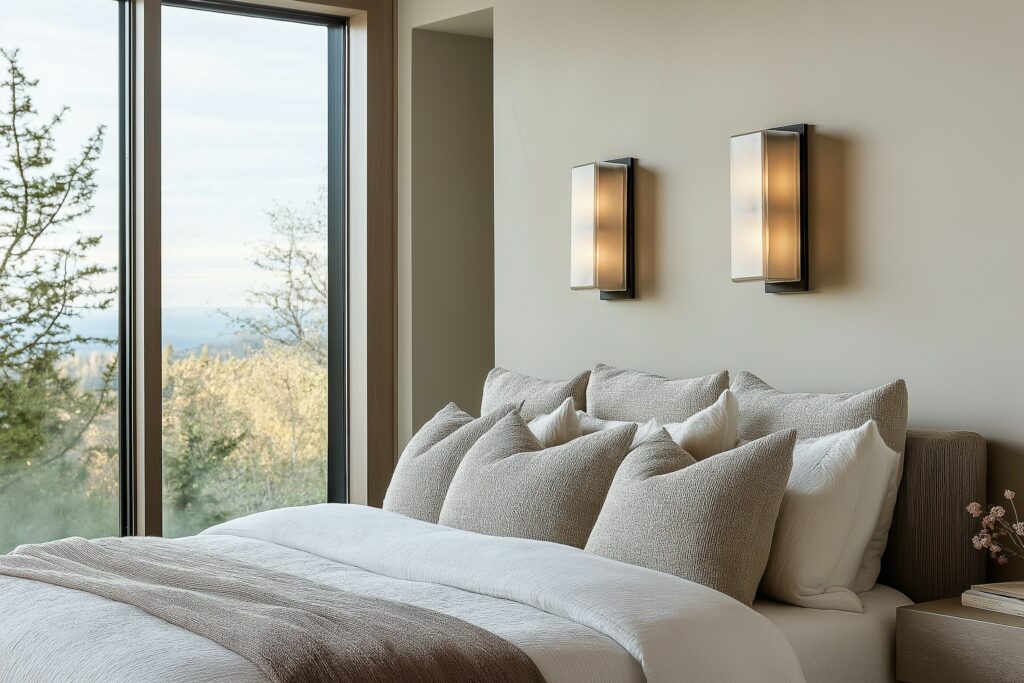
(929, 555)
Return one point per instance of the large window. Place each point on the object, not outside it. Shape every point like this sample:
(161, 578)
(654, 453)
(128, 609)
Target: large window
(250, 242)
(245, 287)
(59, 252)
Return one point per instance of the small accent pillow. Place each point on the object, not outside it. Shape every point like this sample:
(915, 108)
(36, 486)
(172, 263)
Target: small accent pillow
(616, 394)
(431, 458)
(710, 522)
(510, 485)
(709, 432)
(557, 427)
(764, 410)
(828, 516)
(536, 396)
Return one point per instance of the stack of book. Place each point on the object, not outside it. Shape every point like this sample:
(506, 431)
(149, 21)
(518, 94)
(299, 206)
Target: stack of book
(1007, 597)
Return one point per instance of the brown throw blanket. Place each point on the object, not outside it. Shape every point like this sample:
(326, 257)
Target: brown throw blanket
(292, 628)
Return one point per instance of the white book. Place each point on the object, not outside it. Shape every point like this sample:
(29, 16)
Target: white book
(1009, 589)
(993, 603)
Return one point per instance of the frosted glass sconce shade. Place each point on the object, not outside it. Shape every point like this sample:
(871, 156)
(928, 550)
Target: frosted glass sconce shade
(601, 234)
(767, 184)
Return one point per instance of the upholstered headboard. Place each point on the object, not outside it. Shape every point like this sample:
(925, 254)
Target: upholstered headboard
(929, 554)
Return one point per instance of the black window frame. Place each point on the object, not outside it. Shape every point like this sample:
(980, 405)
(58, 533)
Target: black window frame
(337, 245)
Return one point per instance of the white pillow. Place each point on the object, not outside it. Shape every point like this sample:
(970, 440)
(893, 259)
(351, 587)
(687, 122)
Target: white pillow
(711, 431)
(708, 432)
(557, 427)
(834, 499)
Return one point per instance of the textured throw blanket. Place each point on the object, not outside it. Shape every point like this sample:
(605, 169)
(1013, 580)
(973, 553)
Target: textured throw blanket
(291, 628)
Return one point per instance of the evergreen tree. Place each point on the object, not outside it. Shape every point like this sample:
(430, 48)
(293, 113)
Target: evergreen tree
(46, 281)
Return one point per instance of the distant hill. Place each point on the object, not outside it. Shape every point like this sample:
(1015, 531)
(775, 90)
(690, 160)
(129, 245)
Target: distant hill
(186, 329)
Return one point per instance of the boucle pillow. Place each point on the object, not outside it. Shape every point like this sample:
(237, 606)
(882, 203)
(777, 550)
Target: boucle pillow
(764, 410)
(431, 458)
(830, 511)
(709, 432)
(710, 521)
(510, 485)
(617, 394)
(557, 427)
(534, 396)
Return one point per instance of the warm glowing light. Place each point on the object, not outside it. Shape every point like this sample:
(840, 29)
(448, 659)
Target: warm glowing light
(598, 231)
(765, 206)
(582, 271)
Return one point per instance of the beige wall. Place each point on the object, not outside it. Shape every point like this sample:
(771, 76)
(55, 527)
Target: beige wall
(917, 234)
(452, 202)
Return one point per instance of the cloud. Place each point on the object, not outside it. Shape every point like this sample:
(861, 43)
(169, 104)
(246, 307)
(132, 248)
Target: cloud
(245, 109)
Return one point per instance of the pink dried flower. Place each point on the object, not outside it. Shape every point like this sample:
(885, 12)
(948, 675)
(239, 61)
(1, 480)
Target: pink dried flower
(1001, 534)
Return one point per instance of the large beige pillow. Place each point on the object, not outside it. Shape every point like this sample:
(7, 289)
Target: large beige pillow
(618, 394)
(764, 410)
(534, 396)
(510, 485)
(709, 521)
(431, 458)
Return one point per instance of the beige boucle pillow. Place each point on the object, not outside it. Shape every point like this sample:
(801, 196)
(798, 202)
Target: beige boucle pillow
(430, 460)
(619, 394)
(534, 396)
(510, 485)
(710, 521)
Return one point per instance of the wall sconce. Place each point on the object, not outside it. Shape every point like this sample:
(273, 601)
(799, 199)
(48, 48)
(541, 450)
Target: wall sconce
(768, 187)
(602, 228)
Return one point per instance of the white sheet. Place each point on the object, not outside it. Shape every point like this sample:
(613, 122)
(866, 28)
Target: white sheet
(839, 646)
(579, 616)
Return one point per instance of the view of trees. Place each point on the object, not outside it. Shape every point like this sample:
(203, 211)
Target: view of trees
(242, 431)
(45, 285)
(242, 434)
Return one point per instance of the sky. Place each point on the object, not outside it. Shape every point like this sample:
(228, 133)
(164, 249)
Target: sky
(244, 126)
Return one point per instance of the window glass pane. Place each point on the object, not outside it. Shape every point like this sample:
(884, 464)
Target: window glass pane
(244, 244)
(59, 199)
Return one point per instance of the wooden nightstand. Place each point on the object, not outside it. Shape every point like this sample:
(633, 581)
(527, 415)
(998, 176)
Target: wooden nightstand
(945, 641)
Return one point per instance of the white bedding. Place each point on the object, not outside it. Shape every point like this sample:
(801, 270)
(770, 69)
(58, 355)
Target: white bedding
(840, 646)
(579, 616)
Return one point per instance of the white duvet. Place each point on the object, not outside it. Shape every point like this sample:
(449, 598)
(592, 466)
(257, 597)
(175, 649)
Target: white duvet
(580, 617)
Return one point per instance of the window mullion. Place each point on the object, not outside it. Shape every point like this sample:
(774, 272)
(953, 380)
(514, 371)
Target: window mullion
(143, 420)
(337, 271)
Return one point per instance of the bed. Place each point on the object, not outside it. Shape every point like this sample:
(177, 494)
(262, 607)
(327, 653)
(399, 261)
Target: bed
(577, 617)
(837, 646)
